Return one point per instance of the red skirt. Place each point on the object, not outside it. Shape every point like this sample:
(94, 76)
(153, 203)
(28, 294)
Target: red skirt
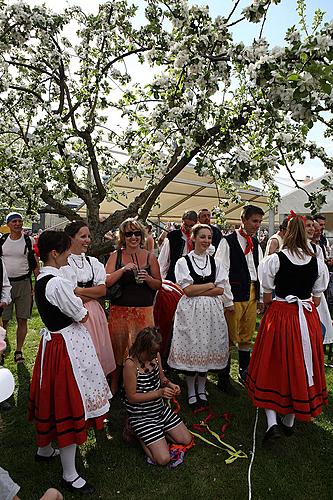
(165, 307)
(277, 377)
(56, 406)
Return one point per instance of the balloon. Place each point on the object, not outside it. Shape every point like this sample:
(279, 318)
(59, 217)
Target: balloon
(7, 384)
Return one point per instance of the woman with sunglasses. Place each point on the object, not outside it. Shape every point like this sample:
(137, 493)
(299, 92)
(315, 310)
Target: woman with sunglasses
(137, 272)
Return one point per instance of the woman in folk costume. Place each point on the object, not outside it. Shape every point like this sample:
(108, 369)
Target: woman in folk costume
(89, 278)
(286, 372)
(68, 391)
(322, 309)
(200, 334)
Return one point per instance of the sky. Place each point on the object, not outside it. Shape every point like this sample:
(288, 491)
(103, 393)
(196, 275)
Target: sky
(280, 18)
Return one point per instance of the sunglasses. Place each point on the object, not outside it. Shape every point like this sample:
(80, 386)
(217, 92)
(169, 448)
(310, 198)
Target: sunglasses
(129, 234)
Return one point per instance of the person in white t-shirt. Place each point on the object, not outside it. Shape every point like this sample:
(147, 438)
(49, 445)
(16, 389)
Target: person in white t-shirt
(20, 261)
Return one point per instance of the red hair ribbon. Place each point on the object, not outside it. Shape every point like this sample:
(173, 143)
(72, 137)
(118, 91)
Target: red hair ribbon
(293, 215)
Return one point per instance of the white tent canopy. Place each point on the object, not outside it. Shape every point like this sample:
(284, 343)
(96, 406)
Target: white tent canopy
(188, 191)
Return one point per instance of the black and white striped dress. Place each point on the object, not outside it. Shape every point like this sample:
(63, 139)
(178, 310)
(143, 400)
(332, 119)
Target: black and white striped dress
(152, 419)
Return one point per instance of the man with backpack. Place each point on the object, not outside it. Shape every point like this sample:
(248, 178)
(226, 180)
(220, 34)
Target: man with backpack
(20, 261)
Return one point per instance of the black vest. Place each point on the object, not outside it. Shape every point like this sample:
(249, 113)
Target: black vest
(90, 283)
(292, 279)
(216, 236)
(197, 278)
(52, 317)
(239, 275)
(177, 244)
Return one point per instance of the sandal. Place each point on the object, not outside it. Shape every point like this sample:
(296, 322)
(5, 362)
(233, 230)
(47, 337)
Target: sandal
(18, 357)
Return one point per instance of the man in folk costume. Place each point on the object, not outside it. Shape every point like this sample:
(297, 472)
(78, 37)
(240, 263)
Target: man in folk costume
(177, 244)
(240, 252)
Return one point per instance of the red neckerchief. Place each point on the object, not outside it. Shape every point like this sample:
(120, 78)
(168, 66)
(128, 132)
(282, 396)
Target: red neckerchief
(188, 238)
(249, 243)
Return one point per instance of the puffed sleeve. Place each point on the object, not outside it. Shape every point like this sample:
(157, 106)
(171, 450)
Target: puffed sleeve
(99, 271)
(267, 270)
(60, 293)
(182, 273)
(222, 281)
(69, 274)
(322, 281)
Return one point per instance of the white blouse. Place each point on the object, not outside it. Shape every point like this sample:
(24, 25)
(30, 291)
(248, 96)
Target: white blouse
(60, 293)
(79, 269)
(201, 265)
(270, 265)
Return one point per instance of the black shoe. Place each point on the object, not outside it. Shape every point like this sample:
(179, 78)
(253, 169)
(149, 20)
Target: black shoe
(287, 431)
(271, 436)
(5, 406)
(228, 388)
(40, 458)
(86, 489)
(201, 401)
(193, 405)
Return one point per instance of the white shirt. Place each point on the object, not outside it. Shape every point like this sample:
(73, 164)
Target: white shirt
(6, 287)
(79, 269)
(271, 264)
(184, 278)
(223, 255)
(279, 240)
(59, 292)
(164, 257)
(16, 261)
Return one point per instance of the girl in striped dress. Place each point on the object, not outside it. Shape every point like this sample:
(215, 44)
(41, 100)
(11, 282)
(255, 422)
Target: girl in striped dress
(151, 420)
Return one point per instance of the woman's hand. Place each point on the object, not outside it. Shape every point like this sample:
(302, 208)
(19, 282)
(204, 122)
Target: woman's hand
(129, 267)
(167, 393)
(143, 276)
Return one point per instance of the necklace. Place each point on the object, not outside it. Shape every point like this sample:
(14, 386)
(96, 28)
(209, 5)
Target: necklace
(201, 268)
(82, 261)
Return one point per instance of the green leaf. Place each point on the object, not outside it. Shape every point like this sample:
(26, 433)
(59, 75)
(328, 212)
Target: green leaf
(293, 77)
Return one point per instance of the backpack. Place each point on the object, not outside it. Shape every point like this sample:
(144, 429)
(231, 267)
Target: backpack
(28, 248)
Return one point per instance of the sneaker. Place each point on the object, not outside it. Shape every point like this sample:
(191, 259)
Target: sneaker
(176, 458)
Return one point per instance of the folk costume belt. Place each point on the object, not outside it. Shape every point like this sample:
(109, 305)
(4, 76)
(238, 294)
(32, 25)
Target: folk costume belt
(306, 343)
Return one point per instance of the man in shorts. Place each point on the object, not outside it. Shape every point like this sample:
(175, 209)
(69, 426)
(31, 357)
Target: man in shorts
(19, 260)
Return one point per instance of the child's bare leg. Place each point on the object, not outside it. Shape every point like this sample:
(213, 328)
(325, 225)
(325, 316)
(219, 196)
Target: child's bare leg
(158, 451)
(180, 434)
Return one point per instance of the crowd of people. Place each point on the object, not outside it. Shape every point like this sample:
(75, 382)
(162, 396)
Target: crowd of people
(185, 311)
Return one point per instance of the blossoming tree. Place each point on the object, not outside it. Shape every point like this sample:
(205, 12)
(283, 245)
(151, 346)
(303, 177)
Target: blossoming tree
(75, 87)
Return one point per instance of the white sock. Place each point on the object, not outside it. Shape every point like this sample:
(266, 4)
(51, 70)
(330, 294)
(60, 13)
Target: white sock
(271, 418)
(289, 419)
(69, 472)
(190, 380)
(47, 451)
(201, 384)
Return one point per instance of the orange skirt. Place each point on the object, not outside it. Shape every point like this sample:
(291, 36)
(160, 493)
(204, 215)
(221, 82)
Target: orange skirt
(56, 406)
(277, 377)
(124, 325)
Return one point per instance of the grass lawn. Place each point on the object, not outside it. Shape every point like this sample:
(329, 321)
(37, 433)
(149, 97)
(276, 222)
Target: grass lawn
(298, 468)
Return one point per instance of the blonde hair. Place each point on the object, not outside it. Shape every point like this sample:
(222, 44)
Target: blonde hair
(130, 224)
(295, 239)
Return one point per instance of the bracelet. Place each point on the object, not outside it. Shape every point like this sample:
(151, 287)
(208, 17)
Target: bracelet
(165, 381)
